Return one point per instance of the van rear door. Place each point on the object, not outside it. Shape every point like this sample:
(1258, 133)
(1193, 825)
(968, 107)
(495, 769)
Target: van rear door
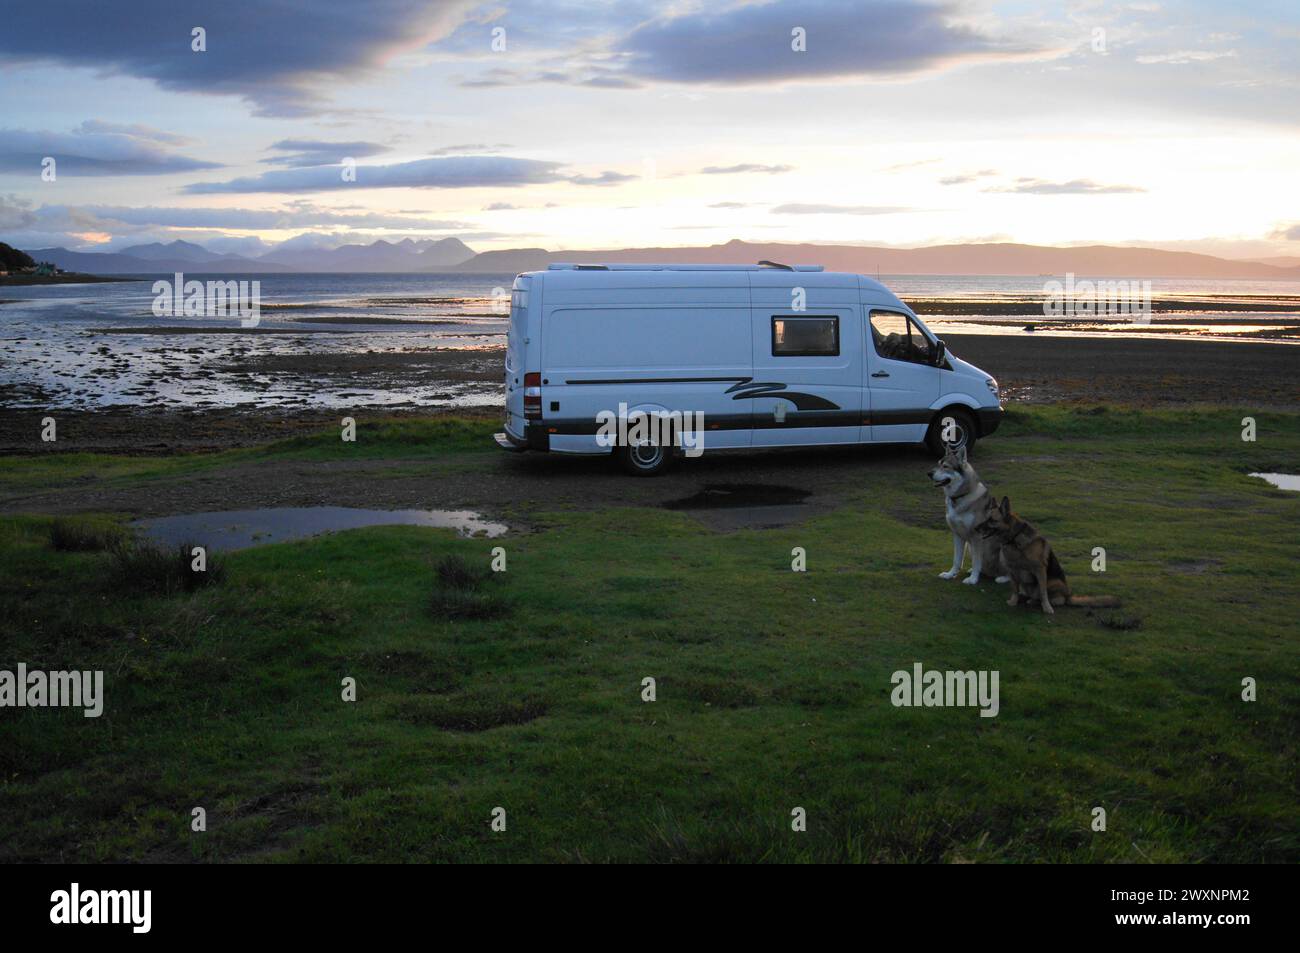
(516, 355)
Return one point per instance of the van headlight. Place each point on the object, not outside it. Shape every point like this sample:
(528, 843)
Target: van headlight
(992, 383)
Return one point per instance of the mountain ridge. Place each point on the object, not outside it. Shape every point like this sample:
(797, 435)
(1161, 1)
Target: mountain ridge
(414, 256)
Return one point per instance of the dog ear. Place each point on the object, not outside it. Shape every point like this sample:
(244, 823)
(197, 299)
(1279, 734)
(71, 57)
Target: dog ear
(960, 453)
(1006, 506)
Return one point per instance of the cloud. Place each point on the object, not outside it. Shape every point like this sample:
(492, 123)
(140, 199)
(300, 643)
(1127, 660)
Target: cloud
(15, 214)
(96, 148)
(1290, 233)
(731, 205)
(133, 129)
(448, 172)
(1073, 187)
(903, 166)
(604, 178)
(303, 153)
(751, 43)
(1183, 57)
(298, 215)
(812, 209)
(279, 56)
(472, 148)
(967, 177)
(745, 167)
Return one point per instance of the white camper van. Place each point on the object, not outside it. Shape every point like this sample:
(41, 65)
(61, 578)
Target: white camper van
(733, 357)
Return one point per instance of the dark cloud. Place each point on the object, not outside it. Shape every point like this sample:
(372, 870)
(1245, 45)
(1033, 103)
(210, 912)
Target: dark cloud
(298, 215)
(1073, 187)
(95, 148)
(449, 172)
(752, 43)
(745, 167)
(279, 56)
(15, 214)
(303, 153)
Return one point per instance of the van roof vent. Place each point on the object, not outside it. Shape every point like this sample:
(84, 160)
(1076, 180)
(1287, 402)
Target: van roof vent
(774, 264)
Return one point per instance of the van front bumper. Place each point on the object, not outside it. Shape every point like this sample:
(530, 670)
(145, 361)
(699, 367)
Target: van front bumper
(989, 418)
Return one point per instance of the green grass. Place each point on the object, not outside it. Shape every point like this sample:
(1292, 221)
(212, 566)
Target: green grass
(772, 686)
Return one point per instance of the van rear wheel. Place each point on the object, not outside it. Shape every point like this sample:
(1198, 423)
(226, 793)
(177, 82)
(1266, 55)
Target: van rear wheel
(951, 429)
(646, 459)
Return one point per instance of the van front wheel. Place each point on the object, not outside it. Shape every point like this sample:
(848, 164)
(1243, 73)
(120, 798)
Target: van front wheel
(951, 429)
(646, 459)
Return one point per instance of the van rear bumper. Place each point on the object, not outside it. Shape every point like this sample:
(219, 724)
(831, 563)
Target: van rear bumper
(508, 441)
(535, 438)
(989, 418)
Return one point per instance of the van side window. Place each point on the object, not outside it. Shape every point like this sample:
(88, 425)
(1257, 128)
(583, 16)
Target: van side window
(805, 335)
(898, 338)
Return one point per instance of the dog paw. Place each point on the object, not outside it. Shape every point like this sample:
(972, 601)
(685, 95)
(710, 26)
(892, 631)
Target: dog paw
(971, 580)
(1002, 579)
(950, 574)
(1048, 610)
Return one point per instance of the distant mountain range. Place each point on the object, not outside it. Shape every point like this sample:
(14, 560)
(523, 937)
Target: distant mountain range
(451, 254)
(405, 256)
(974, 259)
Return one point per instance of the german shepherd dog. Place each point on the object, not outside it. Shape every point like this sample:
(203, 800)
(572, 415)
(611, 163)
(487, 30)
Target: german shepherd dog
(1027, 557)
(967, 505)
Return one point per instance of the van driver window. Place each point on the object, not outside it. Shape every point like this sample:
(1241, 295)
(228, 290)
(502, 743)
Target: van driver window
(897, 338)
(805, 335)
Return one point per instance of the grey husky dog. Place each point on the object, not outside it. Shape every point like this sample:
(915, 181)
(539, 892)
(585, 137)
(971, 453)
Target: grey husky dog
(968, 503)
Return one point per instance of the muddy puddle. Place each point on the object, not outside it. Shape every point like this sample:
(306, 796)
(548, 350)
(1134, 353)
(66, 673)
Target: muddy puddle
(240, 529)
(732, 506)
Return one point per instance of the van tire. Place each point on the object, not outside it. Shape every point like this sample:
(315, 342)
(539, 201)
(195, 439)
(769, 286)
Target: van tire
(647, 460)
(965, 426)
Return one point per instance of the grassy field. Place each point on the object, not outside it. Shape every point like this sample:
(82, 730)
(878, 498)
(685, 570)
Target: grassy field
(773, 687)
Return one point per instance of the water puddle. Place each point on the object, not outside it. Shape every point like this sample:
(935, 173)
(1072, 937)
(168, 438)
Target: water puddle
(239, 529)
(1283, 481)
(727, 495)
(733, 506)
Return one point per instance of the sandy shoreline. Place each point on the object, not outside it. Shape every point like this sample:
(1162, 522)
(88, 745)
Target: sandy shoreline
(1151, 373)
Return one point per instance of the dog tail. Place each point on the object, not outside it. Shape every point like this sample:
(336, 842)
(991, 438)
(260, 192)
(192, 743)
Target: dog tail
(1097, 602)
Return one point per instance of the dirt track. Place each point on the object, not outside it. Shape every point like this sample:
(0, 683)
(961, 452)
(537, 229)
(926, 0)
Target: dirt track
(1155, 373)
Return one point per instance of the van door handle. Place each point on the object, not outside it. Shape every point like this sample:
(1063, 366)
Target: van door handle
(880, 374)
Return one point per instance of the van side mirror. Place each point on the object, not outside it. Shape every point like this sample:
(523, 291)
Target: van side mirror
(940, 351)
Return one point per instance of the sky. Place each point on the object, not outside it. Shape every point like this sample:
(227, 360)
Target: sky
(586, 125)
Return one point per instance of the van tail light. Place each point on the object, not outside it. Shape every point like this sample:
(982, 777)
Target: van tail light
(533, 396)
